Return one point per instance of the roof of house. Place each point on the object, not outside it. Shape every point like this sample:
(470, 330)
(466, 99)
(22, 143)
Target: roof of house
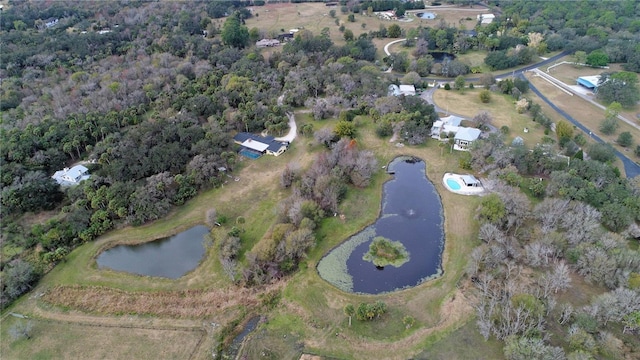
(255, 145)
(469, 179)
(67, 177)
(452, 120)
(468, 134)
(259, 143)
(590, 82)
(408, 89)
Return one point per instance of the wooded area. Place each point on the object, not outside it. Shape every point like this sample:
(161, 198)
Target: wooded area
(148, 95)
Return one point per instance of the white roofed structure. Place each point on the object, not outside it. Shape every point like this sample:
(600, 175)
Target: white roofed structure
(255, 145)
(407, 90)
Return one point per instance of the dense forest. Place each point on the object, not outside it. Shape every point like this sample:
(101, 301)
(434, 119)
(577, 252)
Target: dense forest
(149, 94)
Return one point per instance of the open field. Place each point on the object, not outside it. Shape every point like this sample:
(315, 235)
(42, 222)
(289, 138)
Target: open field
(53, 339)
(274, 19)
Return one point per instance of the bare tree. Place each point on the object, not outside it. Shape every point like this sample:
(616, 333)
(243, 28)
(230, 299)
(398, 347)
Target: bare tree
(483, 119)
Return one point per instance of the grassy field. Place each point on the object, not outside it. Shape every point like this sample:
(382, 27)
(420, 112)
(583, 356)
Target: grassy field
(501, 107)
(278, 18)
(58, 340)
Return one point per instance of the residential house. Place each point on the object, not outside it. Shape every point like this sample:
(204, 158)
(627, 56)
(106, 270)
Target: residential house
(71, 177)
(486, 18)
(465, 137)
(254, 146)
(446, 125)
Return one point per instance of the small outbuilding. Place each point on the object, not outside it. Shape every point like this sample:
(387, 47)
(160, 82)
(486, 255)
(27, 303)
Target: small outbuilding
(71, 176)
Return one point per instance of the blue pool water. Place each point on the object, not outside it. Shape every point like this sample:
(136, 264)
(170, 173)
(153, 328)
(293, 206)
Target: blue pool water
(250, 154)
(454, 185)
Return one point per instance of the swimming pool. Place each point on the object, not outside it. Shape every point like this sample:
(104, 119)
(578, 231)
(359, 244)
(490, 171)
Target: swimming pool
(250, 154)
(454, 185)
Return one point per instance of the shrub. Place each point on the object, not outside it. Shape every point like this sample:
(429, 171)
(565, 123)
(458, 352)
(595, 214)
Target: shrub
(625, 139)
(447, 86)
(505, 129)
(471, 86)
(384, 129)
(485, 96)
(609, 126)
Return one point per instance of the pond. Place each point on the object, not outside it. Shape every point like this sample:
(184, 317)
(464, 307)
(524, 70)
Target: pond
(412, 215)
(170, 257)
(440, 56)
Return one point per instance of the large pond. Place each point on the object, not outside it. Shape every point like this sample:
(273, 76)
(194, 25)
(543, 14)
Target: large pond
(411, 214)
(170, 257)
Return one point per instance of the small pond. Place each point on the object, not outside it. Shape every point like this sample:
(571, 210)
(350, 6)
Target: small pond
(170, 257)
(440, 56)
(411, 214)
(427, 15)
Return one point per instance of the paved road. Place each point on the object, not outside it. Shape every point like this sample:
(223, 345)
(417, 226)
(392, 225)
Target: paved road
(631, 168)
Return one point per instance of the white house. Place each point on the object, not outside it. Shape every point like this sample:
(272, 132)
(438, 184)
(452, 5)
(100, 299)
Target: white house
(254, 146)
(465, 137)
(449, 124)
(71, 177)
(486, 18)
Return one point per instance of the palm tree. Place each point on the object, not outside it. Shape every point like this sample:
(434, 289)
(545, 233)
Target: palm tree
(349, 310)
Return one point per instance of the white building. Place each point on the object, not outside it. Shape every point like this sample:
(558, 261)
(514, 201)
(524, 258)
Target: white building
(408, 90)
(71, 177)
(449, 124)
(486, 18)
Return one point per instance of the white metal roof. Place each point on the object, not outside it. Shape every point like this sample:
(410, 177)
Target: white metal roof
(255, 145)
(468, 134)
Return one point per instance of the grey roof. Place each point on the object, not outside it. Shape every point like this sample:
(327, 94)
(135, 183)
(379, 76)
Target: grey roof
(468, 134)
(274, 145)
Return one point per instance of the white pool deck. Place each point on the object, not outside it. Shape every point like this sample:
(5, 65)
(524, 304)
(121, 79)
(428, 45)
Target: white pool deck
(469, 185)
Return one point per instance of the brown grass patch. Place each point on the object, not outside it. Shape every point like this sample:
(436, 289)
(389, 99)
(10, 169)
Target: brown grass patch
(175, 304)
